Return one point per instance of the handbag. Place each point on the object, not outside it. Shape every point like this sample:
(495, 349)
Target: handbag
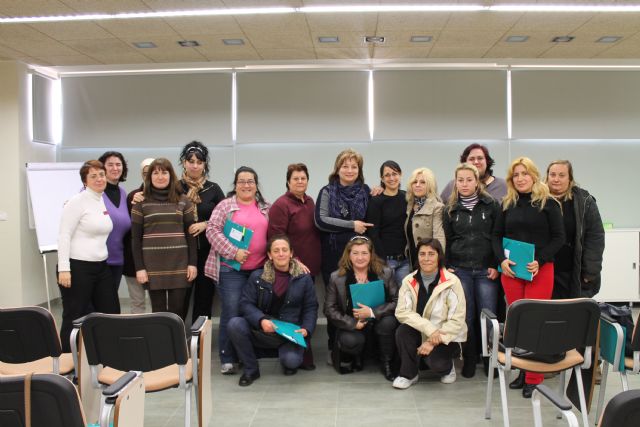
(623, 316)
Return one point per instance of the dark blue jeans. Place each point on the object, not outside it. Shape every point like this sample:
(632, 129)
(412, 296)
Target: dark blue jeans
(480, 292)
(230, 284)
(245, 340)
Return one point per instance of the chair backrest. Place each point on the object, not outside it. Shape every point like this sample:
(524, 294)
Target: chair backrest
(612, 341)
(54, 402)
(27, 334)
(623, 410)
(635, 338)
(139, 342)
(551, 327)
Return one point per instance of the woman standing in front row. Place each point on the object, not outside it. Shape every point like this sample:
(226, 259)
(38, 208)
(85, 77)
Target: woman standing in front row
(205, 195)
(388, 213)
(246, 207)
(84, 277)
(163, 250)
(424, 212)
(578, 263)
(468, 225)
(529, 214)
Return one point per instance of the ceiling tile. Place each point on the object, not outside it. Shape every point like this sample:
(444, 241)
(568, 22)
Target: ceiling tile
(485, 21)
(279, 40)
(245, 55)
(262, 3)
(8, 53)
(569, 50)
(33, 8)
(101, 47)
(366, 22)
(71, 30)
(121, 58)
(187, 54)
(287, 22)
(508, 50)
(138, 27)
(421, 21)
(343, 53)
(160, 5)
(401, 52)
(607, 22)
(561, 23)
(39, 47)
(403, 38)
(204, 25)
(457, 52)
(346, 39)
(107, 6)
(287, 54)
(462, 39)
(69, 60)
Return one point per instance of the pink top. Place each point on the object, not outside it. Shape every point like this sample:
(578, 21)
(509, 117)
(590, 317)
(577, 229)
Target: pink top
(250, 216)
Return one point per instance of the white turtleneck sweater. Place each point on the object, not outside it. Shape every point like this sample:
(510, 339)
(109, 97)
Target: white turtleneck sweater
(84, 228)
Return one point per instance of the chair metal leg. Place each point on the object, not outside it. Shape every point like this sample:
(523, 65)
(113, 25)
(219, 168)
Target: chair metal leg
(623, 378)
(603, 387)
(562, 390)
(503, 397)
(571, 418)
(187, 405)
(537, 412)
(583, 402)
(487, 406)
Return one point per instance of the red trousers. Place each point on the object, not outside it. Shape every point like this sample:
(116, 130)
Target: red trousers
(540, 288)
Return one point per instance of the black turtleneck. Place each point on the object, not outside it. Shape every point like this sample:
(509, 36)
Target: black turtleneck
(160, 195)
(527, 223)
(113, 193)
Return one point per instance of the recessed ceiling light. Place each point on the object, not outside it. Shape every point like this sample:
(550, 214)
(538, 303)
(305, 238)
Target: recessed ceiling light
(608, 39)
(144, 45)
(517, 39)
(328, 39)
(562, 39)
(233, 42)
(421, 39)
(188, 43)
(374, 39)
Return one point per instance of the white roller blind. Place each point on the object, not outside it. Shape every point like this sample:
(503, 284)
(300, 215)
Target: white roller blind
(42, 104)
(440, 104)
(302, 106)
(147, 111)
(576, 104)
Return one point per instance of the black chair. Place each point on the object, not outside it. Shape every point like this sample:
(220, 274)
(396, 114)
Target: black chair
(540, 336)
(623, 410)
(29, 343)
(154, 344)
(54, 402)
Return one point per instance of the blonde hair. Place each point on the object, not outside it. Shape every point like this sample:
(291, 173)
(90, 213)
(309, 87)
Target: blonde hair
(348, 154)
(539, 191)
(376, 265)
(568, 195)
(453, 198)
(430, 179)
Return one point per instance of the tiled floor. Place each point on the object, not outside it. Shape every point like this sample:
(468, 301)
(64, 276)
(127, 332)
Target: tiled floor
(364, 399)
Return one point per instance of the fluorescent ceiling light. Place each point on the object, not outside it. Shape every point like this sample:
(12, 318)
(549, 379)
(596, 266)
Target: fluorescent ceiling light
(373, 39)
(563, 8)
(393, 8)
(516, 39)
(144, 45)
(328, 39)
(421, 39)
(608, 39)
(233, 42)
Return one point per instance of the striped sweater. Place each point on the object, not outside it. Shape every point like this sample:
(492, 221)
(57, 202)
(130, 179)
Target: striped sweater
(160, 240)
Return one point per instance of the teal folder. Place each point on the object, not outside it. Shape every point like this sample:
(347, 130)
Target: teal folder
(240, 236)
(287, 330)
(370, 294)
(522, 253)
(610, 341)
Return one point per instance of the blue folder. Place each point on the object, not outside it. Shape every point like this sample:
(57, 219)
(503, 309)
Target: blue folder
(240, 236)
(287, 330)
(522, 253)
(370, 294)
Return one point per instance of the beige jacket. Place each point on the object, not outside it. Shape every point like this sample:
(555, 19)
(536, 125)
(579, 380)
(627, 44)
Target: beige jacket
(445, 310)
(427, 222)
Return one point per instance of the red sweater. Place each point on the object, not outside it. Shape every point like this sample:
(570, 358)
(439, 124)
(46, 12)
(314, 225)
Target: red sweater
(290, 216)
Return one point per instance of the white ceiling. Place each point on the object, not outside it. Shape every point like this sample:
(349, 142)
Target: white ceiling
(294, 37)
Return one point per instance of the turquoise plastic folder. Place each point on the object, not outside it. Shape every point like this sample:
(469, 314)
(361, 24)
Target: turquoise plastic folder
(522, 253)
(240, 236)
(287, 330)
(370, 294)
(610, 341)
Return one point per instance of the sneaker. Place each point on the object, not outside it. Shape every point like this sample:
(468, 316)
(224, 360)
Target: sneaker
(403, 383)
(450, 377)
(227, 369)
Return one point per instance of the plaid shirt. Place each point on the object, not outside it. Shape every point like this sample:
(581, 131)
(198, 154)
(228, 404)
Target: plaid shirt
(220, 245)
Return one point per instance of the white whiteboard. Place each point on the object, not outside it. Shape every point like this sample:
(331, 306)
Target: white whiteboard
(50, 186)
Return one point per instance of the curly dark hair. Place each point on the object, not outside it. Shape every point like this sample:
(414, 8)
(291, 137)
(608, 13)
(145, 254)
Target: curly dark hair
(198, 149)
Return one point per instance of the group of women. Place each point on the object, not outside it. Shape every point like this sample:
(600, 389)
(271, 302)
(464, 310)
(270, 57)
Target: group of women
(438, 260)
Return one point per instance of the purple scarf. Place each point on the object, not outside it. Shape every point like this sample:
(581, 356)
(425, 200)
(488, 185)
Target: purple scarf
(348, 202)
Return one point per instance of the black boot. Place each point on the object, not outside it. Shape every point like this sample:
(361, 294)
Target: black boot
(357, 364)
(527, 390)
(469, 366)
(518, 382)
(387, 370)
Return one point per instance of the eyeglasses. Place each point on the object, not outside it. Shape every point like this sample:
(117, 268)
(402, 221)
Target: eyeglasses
(248, 182)
(365, 238)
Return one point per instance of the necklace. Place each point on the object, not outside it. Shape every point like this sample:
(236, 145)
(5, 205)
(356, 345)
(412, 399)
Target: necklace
(362, 278)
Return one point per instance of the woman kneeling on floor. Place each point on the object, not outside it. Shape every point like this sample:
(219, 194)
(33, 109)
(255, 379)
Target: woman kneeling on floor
(431, 311)
(281, 290)
(357, 323)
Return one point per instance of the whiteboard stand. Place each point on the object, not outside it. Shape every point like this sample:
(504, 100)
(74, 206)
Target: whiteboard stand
(46, 280)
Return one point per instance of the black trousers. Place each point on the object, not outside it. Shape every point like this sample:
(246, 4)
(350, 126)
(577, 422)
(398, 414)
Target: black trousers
(203, 289)
(353, 342)
(91, 290)
(439, 360)
(562, 285)
(116, 276)
(168, 300)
